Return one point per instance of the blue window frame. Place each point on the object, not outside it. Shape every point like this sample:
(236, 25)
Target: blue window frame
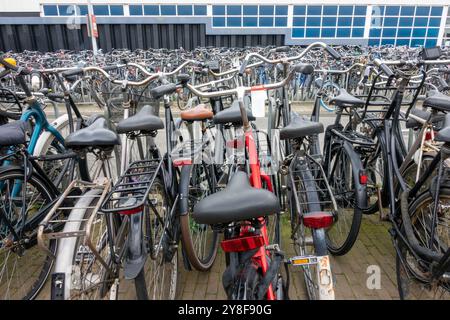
(405, 22)
(419, 32)
(81, 10)
(421, 22)
(136, 10)
(234, 22)
(360, 10)
(343, 32)
(375, 32)
(407, 10)
(101, 10)
(65, 10)
(266, 21)
(330, 10)
(299, 10)
(116, 10)
(298, 32)
(280, 21)
(430, 43)
(184, 10)
(392, 10)
(344, 21)
(219, 10)
(313, 32)
(234, 10)
(298, 21)
(328, 32)
(266, 10)
(218, 22)
(402, 42)
(281, 10)
(422, 11)
(386, 41)
(433, 32)
(434, 22)
(313, 21)
(359, 21)
(168, 10)
(436, 11)
(329, 21)
(50, 10)
(314, 11)
(374, 42)
(199, 10)
(390, 22)
(345, 10)
(250, 10)
(404, 32)
(358, 32)
(377, 10)
(389, 32)
(151, 10)
(250, 22)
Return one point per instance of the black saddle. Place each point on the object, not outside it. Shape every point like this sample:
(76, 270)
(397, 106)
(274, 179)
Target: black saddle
(13, 133)
(232, 115)
(436, 119)
(437, 101)
(345, 99)
(239, 201)
(95, 135)
(143, 120)
(444, 134)
(299, 127)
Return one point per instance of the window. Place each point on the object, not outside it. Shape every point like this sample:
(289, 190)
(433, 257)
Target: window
(434, 22)
(375, 32)
(328, 32)
(404, 33)
(81, 10)
(298, 21)
(377, 10)
(402, 42)
(345, 21)
(219, 10)
(419, 32)
(416, 42)
(199, 10)
(407, 11)
(299, 10)
(136, 10)
(330, 10)
(250, 22)
(281, 10)
(436, 11)
(390, 22)
(314, 11)
(280, 21)
(233, 21)
(234, 10)
(421, 22)
(345, 10)
(313, 21)
(298, 33)
(430, 43)
(422, 11)
(151, 10)
(387, 41)
(329, 21)
(405, 22)
(168, 10)
(360, 10)
(392, 10)
(433, 32)
(313, 32)
(184, 10)
(265, 10)
(359, 21)
(265, 21)
(50, 10)
(389, 32)
(218, 22)
(65, 10)
(101, 10)
(343, 32)
(116, 10)
(358, 32)
(250, 10)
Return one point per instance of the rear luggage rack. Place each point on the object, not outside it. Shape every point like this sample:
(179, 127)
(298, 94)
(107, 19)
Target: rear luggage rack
(133, 187)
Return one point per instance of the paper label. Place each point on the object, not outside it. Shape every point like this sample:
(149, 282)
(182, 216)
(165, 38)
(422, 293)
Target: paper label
(259, 98)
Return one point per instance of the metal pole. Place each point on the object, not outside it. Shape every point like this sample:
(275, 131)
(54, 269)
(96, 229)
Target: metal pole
(94, 41)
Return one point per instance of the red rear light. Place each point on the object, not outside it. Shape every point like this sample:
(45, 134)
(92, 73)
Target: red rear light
(318, 220)
(131, 211)
(363, 177)
(235, 144)
(182, 162)
(242, 244)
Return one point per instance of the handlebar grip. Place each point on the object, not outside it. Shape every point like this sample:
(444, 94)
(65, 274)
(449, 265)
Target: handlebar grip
(71, 73)
(160, 91)
(336, 55)
(55, 96)
(304, 68)
(243, 67)
(283, 49)
(387, 71)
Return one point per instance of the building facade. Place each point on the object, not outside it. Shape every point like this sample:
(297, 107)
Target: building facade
(50, 24)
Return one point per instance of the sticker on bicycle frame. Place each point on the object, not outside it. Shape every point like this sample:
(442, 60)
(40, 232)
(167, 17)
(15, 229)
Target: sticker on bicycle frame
(259, 97)
(326, 289)
(302, 261)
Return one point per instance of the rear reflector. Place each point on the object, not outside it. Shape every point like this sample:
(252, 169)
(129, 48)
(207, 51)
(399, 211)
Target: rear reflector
(131, 211)
(182, 162)
(318, 220)
(242, 244)
(363, 177)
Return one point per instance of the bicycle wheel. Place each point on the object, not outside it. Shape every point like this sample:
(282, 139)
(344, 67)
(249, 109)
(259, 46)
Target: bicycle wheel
(413, 275)
(24, 268)
(200, 241)
(345, 186)
(159, 276)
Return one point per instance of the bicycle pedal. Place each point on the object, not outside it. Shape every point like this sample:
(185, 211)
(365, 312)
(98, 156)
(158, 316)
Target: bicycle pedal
(303, 260)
